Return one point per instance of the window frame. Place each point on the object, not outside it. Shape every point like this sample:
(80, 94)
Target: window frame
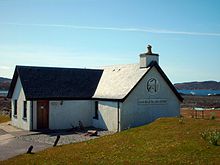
(15, 105)
(24, 110)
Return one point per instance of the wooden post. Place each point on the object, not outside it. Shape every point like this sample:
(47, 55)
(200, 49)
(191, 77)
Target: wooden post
(56, 141)
(29, 149)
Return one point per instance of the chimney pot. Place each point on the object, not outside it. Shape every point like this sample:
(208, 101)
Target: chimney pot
(149, 49)
(147, 58)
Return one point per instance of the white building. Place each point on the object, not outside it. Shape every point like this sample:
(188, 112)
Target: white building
(114, 98)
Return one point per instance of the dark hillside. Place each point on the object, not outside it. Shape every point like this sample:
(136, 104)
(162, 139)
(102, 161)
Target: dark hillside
(4, 83)
(211, 85)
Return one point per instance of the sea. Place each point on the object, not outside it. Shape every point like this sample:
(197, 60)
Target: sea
(3, 93)
(200, 92)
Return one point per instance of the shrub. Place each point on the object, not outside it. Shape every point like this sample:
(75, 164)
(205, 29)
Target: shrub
(212, 117)
(212, 136)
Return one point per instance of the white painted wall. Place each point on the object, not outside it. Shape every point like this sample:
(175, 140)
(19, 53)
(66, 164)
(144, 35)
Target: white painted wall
(107, 116)
(18, 95)
(62, 116)
(134, 114)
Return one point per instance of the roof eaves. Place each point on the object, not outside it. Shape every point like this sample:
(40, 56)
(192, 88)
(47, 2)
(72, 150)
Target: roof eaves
(58, 98)
(107, 99)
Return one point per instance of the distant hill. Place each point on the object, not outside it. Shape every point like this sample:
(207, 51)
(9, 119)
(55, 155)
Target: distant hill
(210, 85)
(4, 83)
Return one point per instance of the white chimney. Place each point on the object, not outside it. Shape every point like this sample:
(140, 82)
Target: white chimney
(147, 58)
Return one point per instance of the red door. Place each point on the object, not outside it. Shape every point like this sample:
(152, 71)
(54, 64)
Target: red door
(42, 114)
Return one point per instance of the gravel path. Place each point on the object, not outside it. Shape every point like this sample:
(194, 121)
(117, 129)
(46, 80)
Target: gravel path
(66, 137)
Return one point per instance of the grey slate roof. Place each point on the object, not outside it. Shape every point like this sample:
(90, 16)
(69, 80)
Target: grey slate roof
(56, 83)
(118, 80)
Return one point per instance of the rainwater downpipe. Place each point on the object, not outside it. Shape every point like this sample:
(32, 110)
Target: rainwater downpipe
(32, 115)
(118, 115)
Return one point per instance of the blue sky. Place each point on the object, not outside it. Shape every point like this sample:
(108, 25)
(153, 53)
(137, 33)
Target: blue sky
(92, 33)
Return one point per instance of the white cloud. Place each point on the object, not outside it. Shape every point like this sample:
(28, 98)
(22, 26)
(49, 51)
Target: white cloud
(128, 29)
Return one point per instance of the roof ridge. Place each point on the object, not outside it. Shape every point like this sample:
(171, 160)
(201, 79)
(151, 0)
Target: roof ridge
(51, 67)
(118, 65)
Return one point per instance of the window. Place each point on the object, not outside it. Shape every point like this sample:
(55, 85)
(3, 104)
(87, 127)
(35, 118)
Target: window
(25, 110)
(96, 111)
(15, 108)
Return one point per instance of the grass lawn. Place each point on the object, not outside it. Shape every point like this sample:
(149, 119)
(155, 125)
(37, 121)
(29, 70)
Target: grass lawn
(4, 118)
(165, 141)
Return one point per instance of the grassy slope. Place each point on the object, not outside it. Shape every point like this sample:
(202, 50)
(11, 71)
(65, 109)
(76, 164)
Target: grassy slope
(165, 141)
(4, 118)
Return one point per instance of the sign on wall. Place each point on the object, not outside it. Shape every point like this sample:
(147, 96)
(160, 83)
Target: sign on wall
(152, 101)
(55, 103)
(152, 86)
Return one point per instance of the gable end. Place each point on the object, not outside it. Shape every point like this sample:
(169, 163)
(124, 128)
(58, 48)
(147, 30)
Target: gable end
(155, 64)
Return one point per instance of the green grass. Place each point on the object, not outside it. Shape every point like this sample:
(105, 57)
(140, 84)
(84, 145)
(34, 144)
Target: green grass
(165, 141)
(4, 118)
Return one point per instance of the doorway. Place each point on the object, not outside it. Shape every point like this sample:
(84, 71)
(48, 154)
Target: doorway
(42, 114)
